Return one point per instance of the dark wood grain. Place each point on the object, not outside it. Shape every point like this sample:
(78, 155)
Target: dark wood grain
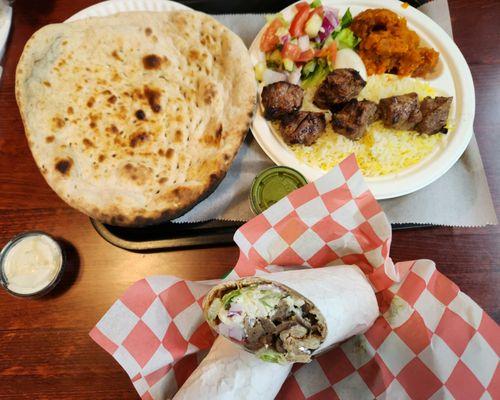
(45, 350)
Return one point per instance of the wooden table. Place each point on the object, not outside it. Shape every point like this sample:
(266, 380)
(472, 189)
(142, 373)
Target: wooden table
(44, 346)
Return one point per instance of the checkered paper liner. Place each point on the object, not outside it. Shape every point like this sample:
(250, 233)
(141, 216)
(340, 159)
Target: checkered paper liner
(431, 341)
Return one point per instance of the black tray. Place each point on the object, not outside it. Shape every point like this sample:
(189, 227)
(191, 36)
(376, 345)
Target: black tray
(171, 236)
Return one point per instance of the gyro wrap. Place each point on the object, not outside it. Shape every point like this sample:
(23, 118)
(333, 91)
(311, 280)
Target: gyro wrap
(290, 316)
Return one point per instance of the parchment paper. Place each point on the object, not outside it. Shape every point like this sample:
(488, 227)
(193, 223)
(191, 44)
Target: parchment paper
(461, 197)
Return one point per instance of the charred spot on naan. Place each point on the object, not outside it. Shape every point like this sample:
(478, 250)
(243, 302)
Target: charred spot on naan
(63, 166)
(213, 139)
(178, 136)
(94, 118)
(137, 173)
(153, 97)
(193, 55)
(140, 115)
(152, 61)
(88, 143)
(116, 56)
(138, 137)
(58, 123)
(112, 129)
(209, 93)
(49, 139)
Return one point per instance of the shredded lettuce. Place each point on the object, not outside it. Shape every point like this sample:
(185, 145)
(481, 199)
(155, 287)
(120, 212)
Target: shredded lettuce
(229, 297)
(346, 39)
(316, 3)
(346, 19)
(213, 310)
(269, 355)
(315, 78)
(270, 298)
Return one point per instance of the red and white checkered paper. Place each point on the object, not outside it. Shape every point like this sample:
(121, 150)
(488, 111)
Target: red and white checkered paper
(430, 342)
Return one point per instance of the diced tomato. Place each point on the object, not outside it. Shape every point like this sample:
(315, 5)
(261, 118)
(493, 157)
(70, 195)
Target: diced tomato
(306, 56)
(269, 39)
(302, 5)
(299, 21)
(329, 52)
(290, 51)
(293, 52)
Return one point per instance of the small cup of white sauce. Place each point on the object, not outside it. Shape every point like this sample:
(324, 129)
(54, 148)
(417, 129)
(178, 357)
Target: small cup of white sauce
(31, 264)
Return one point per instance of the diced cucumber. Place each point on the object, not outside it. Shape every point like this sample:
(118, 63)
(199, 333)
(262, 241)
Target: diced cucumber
(308, 69)
(313, 25)
(288, 64)
(259, 69)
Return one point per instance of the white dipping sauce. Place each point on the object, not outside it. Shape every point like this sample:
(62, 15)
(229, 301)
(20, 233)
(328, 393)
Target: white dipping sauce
(32, 264)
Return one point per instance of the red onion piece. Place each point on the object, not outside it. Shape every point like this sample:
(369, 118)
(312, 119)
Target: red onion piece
(330, 22)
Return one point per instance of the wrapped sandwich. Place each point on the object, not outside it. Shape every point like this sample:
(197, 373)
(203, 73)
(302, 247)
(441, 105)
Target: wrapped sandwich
(287, 317)
(249, 378)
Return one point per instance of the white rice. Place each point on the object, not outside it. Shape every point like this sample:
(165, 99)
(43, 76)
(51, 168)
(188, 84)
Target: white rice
(381, 151)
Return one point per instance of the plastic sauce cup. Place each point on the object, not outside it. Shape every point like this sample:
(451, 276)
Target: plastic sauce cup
(31, 264)
(271, 185)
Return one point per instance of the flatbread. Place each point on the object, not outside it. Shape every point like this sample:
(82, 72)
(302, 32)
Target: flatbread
(135, 118)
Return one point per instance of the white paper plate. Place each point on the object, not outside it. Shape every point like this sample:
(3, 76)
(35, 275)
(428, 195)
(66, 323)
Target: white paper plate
(452, 77)
(111, 7)
(5, 23)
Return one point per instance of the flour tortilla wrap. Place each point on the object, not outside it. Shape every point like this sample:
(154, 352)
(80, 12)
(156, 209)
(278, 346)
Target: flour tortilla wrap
(229, 372)
(289, 316)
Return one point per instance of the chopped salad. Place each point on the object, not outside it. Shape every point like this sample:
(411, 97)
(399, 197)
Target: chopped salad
(300, 44)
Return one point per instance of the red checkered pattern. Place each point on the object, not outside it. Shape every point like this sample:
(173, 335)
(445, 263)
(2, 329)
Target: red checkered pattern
(430, 341)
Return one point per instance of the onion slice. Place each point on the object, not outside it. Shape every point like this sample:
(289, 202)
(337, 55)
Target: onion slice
(294, 76)
(269, 76)
(304, 43)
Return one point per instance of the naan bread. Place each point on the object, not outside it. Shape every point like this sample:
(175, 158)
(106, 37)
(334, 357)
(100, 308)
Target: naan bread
(135, 118)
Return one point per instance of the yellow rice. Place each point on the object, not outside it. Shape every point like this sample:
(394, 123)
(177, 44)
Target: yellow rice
(381, 151)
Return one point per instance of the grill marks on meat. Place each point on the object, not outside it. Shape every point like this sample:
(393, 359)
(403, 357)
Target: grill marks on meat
(354, 118)
(434, 115)
(281, 98)
(338, 87)
(302, 127)
(400, 112)
(350, 117)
